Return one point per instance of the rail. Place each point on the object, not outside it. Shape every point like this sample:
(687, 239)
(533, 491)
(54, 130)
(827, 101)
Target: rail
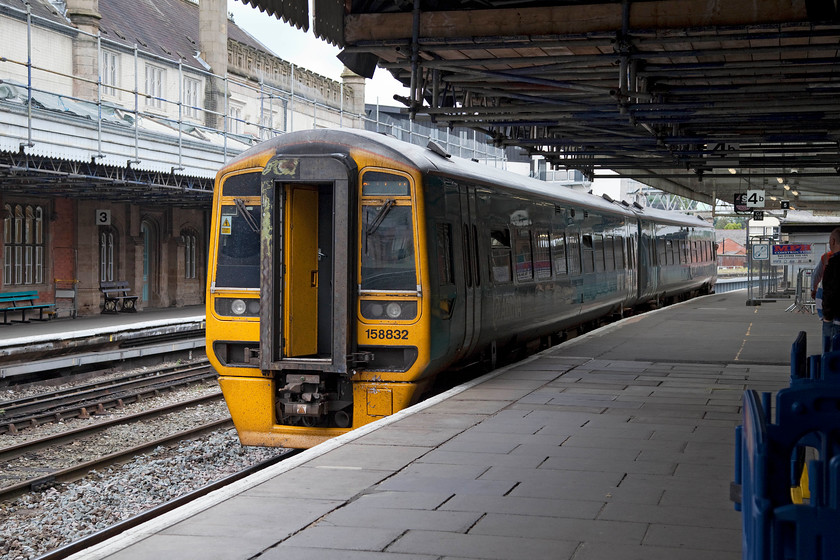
(101, 536)
(80, 402)
(79, 470)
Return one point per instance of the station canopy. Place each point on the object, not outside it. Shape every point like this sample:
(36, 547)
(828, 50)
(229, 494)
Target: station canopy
(700, 98)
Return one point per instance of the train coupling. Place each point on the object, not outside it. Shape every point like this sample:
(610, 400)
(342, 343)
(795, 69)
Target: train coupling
(308, 399)
(316, 409)
(302, 396)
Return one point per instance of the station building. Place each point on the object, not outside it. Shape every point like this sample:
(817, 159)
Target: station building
(114, 117)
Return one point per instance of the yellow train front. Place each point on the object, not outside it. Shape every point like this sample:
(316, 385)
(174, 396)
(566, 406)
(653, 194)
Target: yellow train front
(315, 317)
(347, 269)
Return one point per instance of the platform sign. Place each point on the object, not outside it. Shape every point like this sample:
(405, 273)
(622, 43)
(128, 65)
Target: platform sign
(103, 217)
(740, 202)
(798, 253)
(761, 252)
(755, 199)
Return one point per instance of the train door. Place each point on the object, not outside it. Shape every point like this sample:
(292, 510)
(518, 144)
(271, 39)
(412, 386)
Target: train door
(471, 271)
(575, 268)
(645, 260)
(300, 320)
(304, 286)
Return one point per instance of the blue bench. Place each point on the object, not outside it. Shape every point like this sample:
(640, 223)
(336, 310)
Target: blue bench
(14, 302)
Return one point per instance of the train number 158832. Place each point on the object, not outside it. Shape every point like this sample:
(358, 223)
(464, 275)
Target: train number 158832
(387, 334)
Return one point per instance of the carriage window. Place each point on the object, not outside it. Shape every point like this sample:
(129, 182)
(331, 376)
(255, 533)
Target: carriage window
(609, 252)
(620, 254)
(573, 253)
(500, 256)
(661, 259)
(558, 253)
(542, 257)
(467, 256)
(524, 260)
(387, 247)
(444, 254)
(598, 254)
(588, 250)
(238, 260)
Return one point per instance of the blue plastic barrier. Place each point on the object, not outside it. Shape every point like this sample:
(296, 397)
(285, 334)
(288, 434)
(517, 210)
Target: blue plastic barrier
(769, 458)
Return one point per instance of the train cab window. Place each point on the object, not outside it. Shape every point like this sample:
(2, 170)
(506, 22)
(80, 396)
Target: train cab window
(558, 253)
(500, 251)
(542, 255)
(387, 248)
(609, 252)
(573, 253)
(588, 251)
(238, 259)
(444, 254)
(244, 184)
(524, 258)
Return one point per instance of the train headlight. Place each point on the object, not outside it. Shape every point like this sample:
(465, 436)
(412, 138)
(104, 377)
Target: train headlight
(238, 307)
(389, 310)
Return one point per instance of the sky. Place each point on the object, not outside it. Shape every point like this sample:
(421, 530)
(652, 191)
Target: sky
(304, 49)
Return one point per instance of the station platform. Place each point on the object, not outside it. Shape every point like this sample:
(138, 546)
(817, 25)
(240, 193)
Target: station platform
(27, 348)
(617, 445)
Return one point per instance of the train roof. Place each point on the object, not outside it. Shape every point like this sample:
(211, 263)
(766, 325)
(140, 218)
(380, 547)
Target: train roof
(435, 161)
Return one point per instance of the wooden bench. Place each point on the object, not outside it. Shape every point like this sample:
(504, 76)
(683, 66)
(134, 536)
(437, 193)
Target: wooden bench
(23, 302)
(117, 298)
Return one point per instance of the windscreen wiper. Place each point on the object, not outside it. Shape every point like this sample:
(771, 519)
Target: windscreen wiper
(380, 216)
(249, 218)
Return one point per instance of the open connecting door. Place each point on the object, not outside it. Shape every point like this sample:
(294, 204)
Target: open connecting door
(304, 272)
(300, 322)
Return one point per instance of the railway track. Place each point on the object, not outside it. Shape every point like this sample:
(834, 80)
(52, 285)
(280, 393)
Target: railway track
(95, 398)
(105, 534)
(9, 454)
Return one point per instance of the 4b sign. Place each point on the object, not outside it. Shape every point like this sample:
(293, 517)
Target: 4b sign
(755, 199)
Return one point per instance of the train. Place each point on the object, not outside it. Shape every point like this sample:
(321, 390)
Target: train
(348, 269)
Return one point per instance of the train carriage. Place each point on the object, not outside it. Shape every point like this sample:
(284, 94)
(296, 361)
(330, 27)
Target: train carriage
(348, 269)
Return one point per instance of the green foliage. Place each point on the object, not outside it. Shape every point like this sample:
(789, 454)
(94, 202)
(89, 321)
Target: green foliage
(730, 223)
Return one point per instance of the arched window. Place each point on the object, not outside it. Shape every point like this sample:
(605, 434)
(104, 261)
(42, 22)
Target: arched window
(189, 239)
(23, 250)
(107, 254)
(8, 243)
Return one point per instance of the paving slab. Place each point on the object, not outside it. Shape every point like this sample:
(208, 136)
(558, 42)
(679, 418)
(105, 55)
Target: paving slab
(616, 445)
